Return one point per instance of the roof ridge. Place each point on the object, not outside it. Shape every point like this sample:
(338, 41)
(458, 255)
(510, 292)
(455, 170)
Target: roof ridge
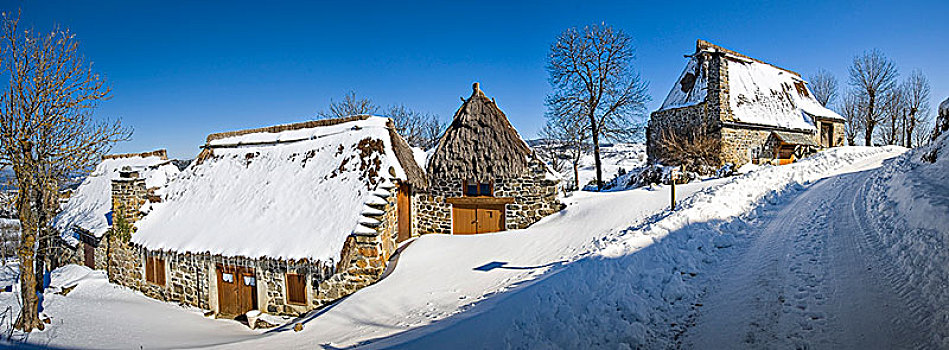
(703, 45)
(161, 153)
(287, 127)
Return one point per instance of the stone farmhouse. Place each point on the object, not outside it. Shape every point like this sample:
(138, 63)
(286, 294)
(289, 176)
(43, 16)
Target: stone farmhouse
(87, 215)
(483, 177)
(758, 111)
(289, 218)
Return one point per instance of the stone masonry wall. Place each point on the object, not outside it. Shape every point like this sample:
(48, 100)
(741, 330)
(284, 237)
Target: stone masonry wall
(365, 255)
(124, 266)
(534, 195)
(740, 146)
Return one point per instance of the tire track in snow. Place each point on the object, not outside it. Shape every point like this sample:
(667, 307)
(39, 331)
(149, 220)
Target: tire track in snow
(812, 277)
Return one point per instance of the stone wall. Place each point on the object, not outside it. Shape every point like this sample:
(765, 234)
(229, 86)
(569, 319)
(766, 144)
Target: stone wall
(123, 264)
(740, 145)
(534, 196)
(365, 255)
(682, 122)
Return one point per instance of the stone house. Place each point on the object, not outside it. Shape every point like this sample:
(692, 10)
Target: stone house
(483, 177)
(86, 216)
(282, 219)
(759, 112)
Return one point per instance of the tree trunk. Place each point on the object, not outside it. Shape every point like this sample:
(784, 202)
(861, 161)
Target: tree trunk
(576, 173)
(595, 131)
(29, 315)
(868, 138)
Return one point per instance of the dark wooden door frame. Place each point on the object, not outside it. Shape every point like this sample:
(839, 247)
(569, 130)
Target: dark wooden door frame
(235, 297)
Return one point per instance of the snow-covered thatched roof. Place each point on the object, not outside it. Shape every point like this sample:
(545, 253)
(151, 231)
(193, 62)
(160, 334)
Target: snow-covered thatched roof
(759, 93)
(480, 144)
(89, 205)
(290, 192)
(944, 107)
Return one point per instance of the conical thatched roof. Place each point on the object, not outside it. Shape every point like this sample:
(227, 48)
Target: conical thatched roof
(480, 144)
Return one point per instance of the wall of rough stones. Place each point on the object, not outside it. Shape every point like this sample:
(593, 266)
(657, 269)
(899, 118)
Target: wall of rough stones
(740, 145)
(365, 255)
(124, 266)
(534, 195)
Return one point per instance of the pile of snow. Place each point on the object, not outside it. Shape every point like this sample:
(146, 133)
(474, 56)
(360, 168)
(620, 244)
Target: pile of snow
(296, 199)
(90, 204)
(909, 209)
(639, 287)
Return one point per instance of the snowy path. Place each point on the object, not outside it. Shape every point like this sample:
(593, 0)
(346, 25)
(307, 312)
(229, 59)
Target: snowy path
(814, 277)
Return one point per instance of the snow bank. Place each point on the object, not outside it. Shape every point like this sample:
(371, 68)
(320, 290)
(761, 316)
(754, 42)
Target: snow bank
(92, 200)
(909, 210)
(296, 199)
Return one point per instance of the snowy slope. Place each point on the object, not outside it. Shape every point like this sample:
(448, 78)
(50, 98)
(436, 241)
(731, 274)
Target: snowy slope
(637, 281)
(92, 200)
(296, 199)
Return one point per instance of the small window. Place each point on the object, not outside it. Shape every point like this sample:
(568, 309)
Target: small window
(296, 288)
(155, 270)
(250, 281)
(471, 189)
(475, 189)
(227, 277)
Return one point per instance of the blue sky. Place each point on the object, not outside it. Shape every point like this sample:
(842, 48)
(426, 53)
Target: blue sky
(180, 71)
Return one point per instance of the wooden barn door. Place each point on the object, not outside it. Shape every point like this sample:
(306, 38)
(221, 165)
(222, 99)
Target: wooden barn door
(404, 205)
(470, 219)
(90, 255)
(490, 218)
(236, 290)
(464, 219)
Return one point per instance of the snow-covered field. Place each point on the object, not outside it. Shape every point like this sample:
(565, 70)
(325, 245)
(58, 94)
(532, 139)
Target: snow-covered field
(777, 257)
(621, 155)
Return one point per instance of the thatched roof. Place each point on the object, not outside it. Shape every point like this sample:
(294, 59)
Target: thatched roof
(480, 144)
(403, 152)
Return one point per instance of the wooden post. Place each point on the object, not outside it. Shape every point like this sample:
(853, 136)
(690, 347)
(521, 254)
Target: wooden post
(674, 176)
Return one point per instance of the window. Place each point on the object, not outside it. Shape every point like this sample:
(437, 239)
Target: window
(296, 288)
(155, 270)
(475, 189)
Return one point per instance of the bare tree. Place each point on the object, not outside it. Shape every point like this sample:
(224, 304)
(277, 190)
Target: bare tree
(350, 105)
(591, 72)
(893, 112)
(824, 87)
(419, 129)
(47, 131)
(567, 134)
(852, 110)
(916, 92)
(873, 75)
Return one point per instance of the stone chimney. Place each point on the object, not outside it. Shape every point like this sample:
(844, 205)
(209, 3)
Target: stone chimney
(128, 195)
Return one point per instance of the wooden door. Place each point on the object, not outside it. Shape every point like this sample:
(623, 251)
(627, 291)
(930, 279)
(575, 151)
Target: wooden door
(236, 290)
(470, 219)
(404, 207)
(490, 218)
(464, 219)
(827, 135)
(90, 255)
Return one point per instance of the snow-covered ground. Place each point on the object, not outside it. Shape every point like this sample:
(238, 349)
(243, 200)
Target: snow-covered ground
(776, 256)
(621, 155)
